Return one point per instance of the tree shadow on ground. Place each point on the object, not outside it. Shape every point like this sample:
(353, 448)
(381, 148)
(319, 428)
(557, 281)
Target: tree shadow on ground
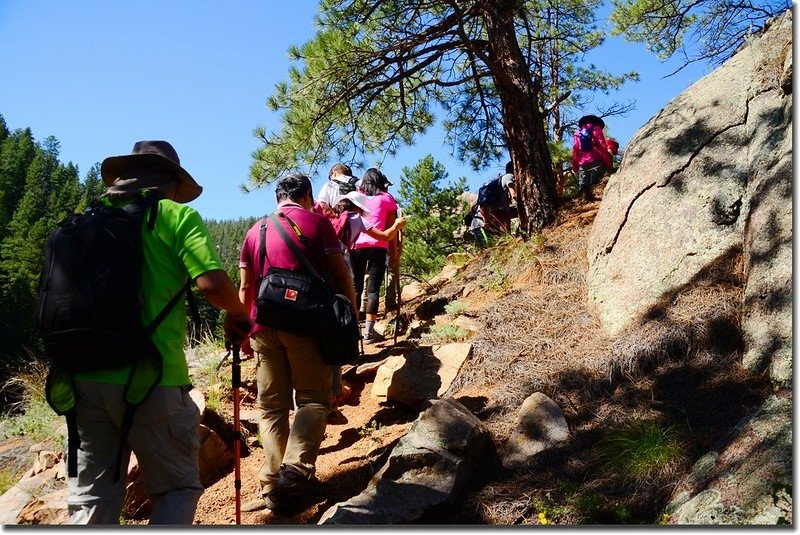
(680, 368)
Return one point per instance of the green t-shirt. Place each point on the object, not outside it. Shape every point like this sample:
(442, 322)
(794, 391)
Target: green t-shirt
(178, 248)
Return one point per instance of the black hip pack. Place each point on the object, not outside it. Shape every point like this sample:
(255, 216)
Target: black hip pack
(291, 301)
(304, 304)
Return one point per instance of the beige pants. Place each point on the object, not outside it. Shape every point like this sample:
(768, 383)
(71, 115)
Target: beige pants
(166, 439)
(287, 362)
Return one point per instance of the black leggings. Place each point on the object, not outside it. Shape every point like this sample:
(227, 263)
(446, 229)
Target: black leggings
(374, 259)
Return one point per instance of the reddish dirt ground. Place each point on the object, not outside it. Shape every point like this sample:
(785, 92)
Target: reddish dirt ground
(350, 454)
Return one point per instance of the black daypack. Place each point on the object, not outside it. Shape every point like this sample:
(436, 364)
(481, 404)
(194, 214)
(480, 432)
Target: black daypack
(90, 296)
(303, 303)
(491, 193)
(89, 306)
(585, 137)
(346, 187)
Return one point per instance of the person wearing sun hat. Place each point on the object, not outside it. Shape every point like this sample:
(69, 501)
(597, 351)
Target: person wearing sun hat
(369, 255)
(152, 165)
(591, 158)
(165, 432)
(349, 223)
(353, 210)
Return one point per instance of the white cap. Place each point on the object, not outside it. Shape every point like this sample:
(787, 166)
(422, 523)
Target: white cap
(359, 199)
(507, 179)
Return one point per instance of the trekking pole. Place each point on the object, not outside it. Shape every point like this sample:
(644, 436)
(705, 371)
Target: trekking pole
(386, 286)
(223, 360)
(398, 297)
(236, 372)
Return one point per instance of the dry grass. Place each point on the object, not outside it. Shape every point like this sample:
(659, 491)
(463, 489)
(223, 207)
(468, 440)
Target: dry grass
(30, 415)
(29, 421)
(700, 324)
(680, 368)
(537, 324)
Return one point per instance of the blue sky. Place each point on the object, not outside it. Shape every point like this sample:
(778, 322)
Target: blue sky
(99, 75)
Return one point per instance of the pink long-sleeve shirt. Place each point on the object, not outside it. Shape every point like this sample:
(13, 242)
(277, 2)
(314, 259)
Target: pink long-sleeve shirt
(598, 152)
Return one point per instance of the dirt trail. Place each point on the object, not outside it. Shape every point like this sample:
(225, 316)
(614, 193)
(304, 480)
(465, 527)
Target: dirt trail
(353, 451)
(350, 454)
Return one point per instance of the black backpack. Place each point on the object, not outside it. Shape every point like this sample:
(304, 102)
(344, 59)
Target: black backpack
(491, 193)
(346, 187)
(89, 305)
(90, 290)
(585, 137)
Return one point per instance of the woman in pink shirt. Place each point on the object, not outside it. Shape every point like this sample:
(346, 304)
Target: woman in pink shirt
(369, 254)
(590, 156)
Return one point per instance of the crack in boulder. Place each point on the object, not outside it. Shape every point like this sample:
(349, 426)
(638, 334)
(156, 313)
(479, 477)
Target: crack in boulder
(610, 247)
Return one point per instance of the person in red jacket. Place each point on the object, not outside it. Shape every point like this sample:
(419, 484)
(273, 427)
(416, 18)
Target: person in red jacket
(590, 156)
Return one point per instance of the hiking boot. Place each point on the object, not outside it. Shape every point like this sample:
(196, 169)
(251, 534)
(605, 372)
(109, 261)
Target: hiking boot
(254, 505)
(372, 337)
(292, 484)
(335, 417)
(276, 505)
(343, 395)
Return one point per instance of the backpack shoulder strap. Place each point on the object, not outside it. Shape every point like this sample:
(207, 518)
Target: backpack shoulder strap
(262, 244)
(138, 206)
(290, 243)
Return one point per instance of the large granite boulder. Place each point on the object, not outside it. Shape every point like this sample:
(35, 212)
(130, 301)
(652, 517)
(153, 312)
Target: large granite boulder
(746, 481)
(705, 180)
(704, 184)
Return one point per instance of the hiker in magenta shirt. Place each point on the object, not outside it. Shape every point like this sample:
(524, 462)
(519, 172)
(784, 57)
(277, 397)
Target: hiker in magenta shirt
(590, 156)
(286, 362)
(369, 254)
(350, 223)
(279, 255)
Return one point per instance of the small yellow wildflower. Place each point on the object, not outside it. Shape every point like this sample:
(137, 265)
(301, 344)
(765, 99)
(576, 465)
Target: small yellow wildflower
(543, 519)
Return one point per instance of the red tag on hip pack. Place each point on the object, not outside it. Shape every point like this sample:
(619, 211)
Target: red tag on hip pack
(290, 295)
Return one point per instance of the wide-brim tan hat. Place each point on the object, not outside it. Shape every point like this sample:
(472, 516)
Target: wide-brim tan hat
(359, 199)
(159, 155)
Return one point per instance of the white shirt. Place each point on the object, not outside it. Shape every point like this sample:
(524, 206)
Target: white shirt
(329, 192)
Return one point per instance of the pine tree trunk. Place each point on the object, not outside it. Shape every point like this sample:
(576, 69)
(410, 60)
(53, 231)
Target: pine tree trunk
(522, 120)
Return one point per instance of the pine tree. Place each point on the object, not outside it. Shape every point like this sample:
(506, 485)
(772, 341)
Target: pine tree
(434, 214)
(565, 33)
(700, 30)
(376, 74)
(50, 193)
(3, 128)
(17, 152)
(91, 188)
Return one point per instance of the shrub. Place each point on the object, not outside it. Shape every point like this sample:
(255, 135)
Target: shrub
(640, 451)
(30, 417)
(454, 308)
(445, 333)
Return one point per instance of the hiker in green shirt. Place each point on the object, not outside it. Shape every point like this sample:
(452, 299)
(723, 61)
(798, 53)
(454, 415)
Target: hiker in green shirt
(164, 434)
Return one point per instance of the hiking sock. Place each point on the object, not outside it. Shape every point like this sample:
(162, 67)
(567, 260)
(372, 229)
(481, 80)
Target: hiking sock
(369, 326)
